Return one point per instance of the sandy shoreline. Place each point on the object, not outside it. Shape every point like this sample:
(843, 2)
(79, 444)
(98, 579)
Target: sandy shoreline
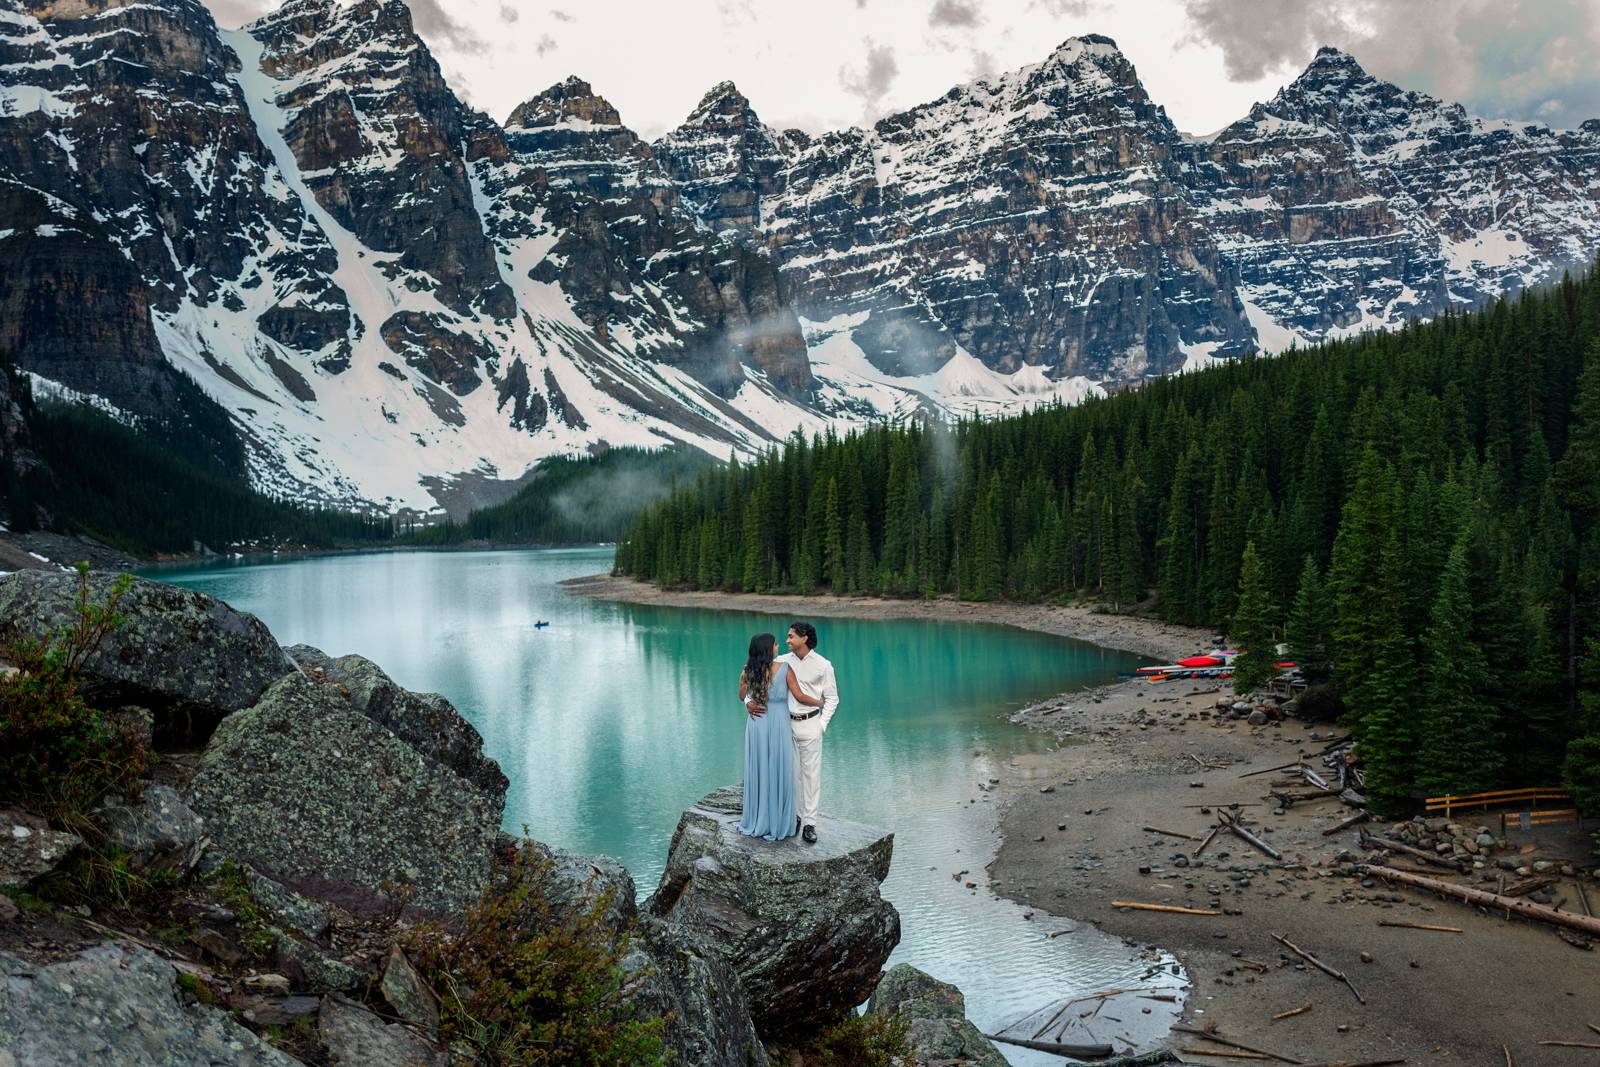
(1123, 633)
(1152, 755)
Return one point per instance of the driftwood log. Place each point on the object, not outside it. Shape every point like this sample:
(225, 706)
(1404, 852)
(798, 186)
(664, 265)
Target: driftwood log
(1077, 1052)
(1229, 824)
(1369, 842)
(1525, 908)
(1359, 817)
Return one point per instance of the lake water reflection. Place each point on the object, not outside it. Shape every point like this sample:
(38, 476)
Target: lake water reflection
(615, 717)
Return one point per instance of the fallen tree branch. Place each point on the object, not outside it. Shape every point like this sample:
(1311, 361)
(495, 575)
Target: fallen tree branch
(1136, 906)
(1372, 843)
(1080, 1052)
(1242, 834)
(1318, 964)
(1511, 905)
(1346, 824)
(1422, 926)
(1169, 833)
(1213, 1036)
(1269, 770)
(1224, 1055)
(1292, 1011)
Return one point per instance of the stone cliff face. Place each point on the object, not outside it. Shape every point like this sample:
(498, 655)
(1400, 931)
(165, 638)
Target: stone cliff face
(133, 181)
(1346, 203)
(403, 300)
(1054, 218)
(1034, 221)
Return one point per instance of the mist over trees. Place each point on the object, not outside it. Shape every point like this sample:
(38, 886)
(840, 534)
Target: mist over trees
(1417, 513)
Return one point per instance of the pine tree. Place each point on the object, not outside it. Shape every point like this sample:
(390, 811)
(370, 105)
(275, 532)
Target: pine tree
(1251, 629)
(833, 564)
(1310, 628)
(1459, 748)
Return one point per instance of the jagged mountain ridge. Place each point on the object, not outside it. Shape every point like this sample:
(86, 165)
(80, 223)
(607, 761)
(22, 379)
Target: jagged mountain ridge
(1053, 217)
(404, 302)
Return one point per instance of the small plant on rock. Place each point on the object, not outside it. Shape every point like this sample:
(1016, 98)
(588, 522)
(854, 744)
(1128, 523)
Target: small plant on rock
(57, 753)
(863, 1041)
(525, 984)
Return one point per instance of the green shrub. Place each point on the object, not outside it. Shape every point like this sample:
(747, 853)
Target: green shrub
(57, 753)
(526, 985)
(863, 1041)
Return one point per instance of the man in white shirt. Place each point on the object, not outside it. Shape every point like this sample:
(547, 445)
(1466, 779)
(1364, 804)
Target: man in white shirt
(815, 675)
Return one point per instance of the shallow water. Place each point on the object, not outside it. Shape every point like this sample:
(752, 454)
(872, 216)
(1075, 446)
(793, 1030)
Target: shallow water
(613, 719)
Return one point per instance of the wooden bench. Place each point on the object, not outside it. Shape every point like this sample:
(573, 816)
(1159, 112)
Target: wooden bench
(1531, 797)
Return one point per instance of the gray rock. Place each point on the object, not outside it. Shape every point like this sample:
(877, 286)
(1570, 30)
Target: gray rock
(804, 926)
(159, 824)
(1485, 840)
(426, 721)
(29, 848)
(315, 794)
(1257, 718)
(312, 969)
(284, 905)
(355, 1037)
(408, 995)
(177, 645)
(116, 1003)
(575, 880)
(688, 982)
(939, 1030)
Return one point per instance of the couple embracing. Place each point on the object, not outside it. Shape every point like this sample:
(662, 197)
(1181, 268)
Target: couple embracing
(789, 700)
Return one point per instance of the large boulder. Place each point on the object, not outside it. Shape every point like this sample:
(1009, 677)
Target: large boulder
(576, 879)
(355, 1036)
(426, 721)
(178, 650)
(29, 848)
(804, 926)
(316, 795)
(686, 981)
(939, 1031)
(116, 1003)
(158, 825)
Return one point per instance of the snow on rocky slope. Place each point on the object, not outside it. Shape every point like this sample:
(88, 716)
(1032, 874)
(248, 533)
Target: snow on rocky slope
(404, 303)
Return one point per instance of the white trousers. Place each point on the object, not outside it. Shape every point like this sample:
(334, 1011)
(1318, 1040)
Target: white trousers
(807, 769)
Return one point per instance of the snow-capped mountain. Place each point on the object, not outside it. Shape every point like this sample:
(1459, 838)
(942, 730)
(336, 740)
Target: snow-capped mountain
(405, 303)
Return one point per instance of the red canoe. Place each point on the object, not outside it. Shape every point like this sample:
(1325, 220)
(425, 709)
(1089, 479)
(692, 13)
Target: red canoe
(1201, 661)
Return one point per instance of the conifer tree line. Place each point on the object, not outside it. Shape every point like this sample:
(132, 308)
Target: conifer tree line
(1416, 513)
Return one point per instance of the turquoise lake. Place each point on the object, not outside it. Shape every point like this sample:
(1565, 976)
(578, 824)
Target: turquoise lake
(614, 718)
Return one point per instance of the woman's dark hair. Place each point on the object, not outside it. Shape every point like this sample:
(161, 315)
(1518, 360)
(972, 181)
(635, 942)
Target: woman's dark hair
(758, 666)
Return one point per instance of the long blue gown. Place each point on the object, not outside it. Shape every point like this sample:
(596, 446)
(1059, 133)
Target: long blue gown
(769, 767)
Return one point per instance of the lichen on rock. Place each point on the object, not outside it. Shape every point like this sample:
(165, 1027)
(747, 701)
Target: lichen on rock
(313, 793)
(804, 926)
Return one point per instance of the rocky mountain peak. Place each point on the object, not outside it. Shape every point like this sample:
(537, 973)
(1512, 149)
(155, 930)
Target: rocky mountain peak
(570, 102)
(724, 105)
(1331, 70)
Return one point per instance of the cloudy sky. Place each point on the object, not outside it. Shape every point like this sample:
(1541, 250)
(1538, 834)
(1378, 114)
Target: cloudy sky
(828, 64)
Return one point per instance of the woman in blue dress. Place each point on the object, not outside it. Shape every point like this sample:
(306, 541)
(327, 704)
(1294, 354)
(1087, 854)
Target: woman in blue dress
(767, 687)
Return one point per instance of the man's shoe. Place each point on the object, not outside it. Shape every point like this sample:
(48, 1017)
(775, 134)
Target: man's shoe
(810, 835)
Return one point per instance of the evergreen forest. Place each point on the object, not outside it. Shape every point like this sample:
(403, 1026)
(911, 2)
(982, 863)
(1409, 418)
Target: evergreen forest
(1417, 514)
